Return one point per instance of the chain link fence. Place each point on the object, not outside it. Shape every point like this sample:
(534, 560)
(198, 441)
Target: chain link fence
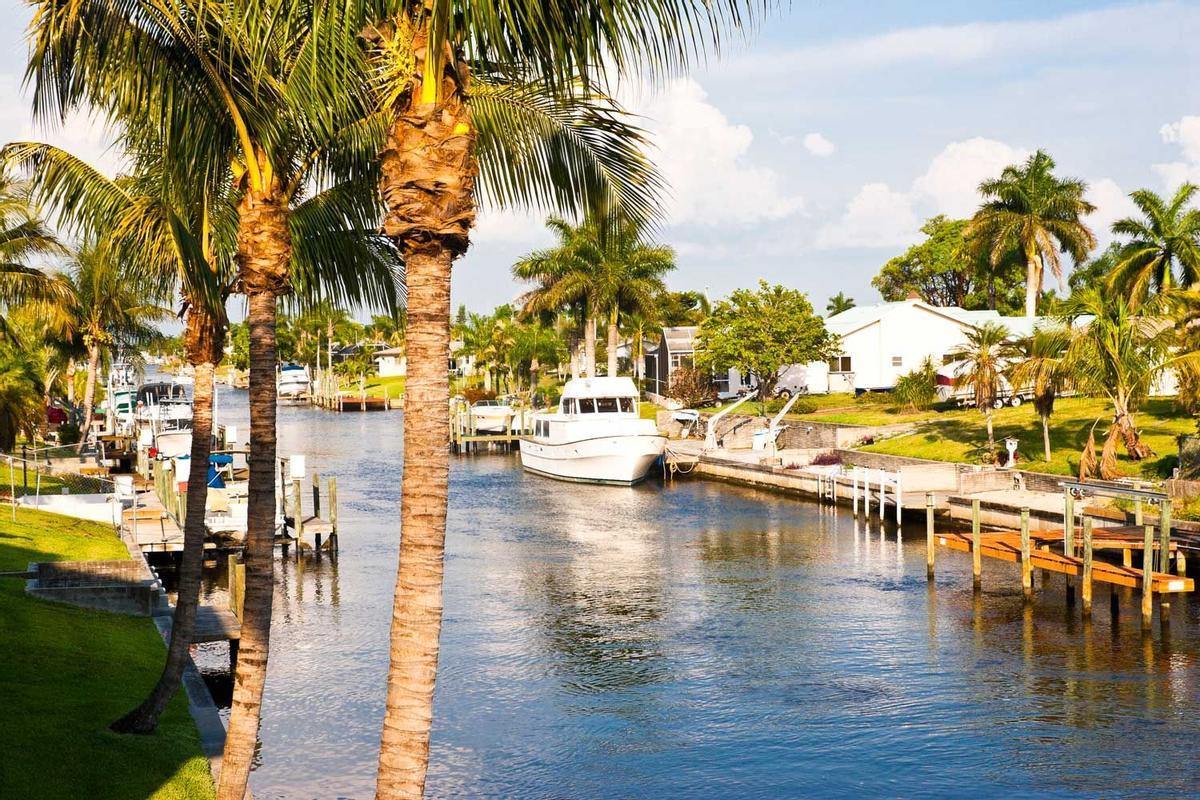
(60, 480)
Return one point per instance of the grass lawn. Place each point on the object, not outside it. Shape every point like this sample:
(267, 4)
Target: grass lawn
(65, 673)
(960, 435)
(393, 382)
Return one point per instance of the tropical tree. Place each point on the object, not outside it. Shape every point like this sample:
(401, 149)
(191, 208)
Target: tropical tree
(683, 308)
(1039, 364)
(605, 265)
(1117, 354)
(1163, 247)
(528, 117)
(23, 236)
(22, 407)
(532, 345)
(838, 303)
(761, 332)
(983, 359)
(1031, 211)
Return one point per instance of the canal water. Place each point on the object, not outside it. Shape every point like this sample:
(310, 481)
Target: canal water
(700, 640)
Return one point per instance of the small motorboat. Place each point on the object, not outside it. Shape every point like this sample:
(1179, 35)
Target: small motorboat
(492, 416)
(294, 381)
(596, 436)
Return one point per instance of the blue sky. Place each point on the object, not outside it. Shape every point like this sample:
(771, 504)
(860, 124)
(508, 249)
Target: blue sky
(810, 154)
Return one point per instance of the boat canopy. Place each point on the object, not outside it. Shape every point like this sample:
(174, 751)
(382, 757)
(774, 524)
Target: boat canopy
(600, 387)
(154, 393)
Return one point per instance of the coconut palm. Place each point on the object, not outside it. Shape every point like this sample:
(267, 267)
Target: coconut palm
(605, 265)
(1039, 365)
(1030, 210)
(1163, 250)
(534, 344)
(445, 120)
(982, 361)
(1119, 355)
(23, 237)
(22, 408)
(839, 303)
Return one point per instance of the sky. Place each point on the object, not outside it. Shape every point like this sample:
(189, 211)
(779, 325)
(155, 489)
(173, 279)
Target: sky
(811, 152)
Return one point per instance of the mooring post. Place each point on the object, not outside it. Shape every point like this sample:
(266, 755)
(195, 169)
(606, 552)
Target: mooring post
(1148, 577)
(297, 515)
(1069, 539)
(1137, 505)
(1026, 563)
(929, 543)
(899, 495)
(867, 494)
(976, 555)
(333, 514)
(316, 493)
(854, 490)
(882, 495)
(1087, 566)
(1164, 536)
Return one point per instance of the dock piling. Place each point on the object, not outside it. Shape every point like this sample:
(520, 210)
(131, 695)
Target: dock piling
(929, 536)
(1164, 537)
(854, 490)
(1087, 567)
(1069, 538)
(976, 553)
(297, 515)
(1026, 564)
(1147, 571)
(333, 514)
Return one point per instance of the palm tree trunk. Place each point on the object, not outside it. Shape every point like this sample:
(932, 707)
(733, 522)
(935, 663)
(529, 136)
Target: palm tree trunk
(1046, 436)
(987, 415)
(1130, 436)
(144, 718)
(614, 341)
(1033, 281)
(589, 346)
(71, 383)
(253, 647)
(534, 367)
(417, 609)
(264, 253)
(89, 394)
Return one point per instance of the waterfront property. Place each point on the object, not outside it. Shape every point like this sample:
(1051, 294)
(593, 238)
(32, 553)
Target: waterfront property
(677, 348)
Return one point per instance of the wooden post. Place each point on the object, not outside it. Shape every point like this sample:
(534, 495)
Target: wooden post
(898, 495)
(976, 555)
(929, 535)
(333, 514)
(1164, 536)
(867, 494)
(1026, 562)
(1148, 578)
(854, 490)
(1137, 506)
(1087, 566)
(236, 580)
(1069, 539)
(882, 494)
(297, 515)
(316, 493)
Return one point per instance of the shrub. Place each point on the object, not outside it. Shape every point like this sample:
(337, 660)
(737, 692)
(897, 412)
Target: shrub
(826, 459)
(474, 395)
(692, 387)
(776, 404)
(918, 389)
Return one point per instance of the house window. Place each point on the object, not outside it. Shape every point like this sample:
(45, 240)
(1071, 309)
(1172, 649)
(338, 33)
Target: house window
(839, 364)
(897, 361)
(681, 360)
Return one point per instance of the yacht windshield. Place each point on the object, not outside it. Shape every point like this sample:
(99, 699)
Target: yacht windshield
(587, 405)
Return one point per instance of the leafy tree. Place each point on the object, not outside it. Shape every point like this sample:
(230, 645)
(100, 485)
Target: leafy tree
(605, 265)
(761, 332)
(1031, 211)
(982, 361)
(839, 303)
(1119, 355)
(1163, 247)
(24, 236)
(1040, 365)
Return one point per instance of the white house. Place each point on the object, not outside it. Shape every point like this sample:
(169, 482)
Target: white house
(391, 362)
(882, 342)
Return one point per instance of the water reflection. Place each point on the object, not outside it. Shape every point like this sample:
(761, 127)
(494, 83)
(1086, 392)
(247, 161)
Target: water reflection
(698, 640)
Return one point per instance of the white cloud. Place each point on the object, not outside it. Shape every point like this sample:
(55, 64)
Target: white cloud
(496, 226)
(879, 216)
(818, 145)
(1112, 203)
(705, 159)
(1185, 133)
(84, 134)
(875, 217)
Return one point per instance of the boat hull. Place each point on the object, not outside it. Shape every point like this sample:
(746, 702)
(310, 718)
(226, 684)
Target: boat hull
(292, 389)
(172, 444)
(621, 459)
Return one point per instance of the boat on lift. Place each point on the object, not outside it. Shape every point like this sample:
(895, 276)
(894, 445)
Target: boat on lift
(596, 435)
(294, 381)
(163, 416)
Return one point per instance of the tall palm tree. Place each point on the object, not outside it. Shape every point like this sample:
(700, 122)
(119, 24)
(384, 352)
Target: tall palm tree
(1030, 210)
(24, 236)
(1163, 250)
(606, 265)
(21, 393)
(1118, 354)
(839, 303)
(445, 117)
(983, 359)
(534, 344)
(1040, 366)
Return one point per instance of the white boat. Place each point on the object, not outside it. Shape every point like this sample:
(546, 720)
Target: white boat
(492, 416)
(595, 436)
(164, 419)
(294, 381)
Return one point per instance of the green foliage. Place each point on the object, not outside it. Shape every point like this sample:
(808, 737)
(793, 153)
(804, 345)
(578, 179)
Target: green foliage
(918, 389)
(1163, 247)
(21, 410)
(1032, 214)
(839, 303)
(678, 309)
(801, 406)
(761, 332)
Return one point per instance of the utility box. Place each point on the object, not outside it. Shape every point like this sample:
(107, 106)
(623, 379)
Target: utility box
(296, 467)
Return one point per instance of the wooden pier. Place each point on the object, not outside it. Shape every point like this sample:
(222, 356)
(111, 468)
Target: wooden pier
(465, 436)
(1077, 549)
(327, 393)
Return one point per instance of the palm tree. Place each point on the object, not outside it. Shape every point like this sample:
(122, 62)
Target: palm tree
(550, 141)
(983, 359)
(839, 303)
(534, 344)
(1163, 248)
(604, 264)
(1040, 366)
(1031, 211)
(23, 235)
(1117, 354)
(21, 390)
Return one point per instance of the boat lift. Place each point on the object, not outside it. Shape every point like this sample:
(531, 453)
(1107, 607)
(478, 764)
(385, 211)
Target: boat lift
(710, 435)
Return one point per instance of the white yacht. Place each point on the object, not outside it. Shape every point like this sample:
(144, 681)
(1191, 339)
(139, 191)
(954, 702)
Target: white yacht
(595, 436)
(294, 381)
(164, 419)
(492, 416)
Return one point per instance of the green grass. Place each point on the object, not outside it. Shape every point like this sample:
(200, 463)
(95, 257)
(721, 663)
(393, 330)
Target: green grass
(961, 435)
(66, 673)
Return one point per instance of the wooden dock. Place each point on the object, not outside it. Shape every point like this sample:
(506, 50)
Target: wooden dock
(465, 436)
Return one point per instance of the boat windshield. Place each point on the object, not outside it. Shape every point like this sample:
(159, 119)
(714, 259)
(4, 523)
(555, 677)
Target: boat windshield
(600, 405)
